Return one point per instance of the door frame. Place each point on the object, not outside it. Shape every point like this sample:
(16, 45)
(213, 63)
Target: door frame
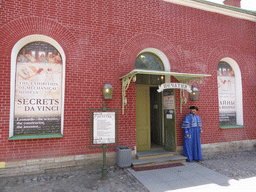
(163, 130)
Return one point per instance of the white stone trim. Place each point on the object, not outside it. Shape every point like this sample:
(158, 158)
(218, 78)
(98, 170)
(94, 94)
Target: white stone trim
(40, 166)
(216, 8)
(161, 55)
(15, 50)
(227, 147)
(224, 147)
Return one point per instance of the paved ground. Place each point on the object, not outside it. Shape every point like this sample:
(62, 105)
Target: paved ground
(237, 166)
(119, 180)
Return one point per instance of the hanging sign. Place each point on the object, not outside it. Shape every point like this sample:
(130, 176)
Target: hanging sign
(104, 127)
(174, 86)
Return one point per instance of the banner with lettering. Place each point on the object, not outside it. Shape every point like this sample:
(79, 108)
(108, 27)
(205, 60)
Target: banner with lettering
(226, 94)
(174, 86)
(38, 90)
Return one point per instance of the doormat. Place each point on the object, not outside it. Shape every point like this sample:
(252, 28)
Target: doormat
(146, 168)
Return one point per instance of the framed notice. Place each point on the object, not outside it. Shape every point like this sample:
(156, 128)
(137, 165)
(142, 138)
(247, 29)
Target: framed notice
(104, 127)
(168, 99)
(38, 92)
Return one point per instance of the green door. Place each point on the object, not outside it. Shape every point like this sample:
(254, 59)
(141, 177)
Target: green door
(169, 120)
(142, 118)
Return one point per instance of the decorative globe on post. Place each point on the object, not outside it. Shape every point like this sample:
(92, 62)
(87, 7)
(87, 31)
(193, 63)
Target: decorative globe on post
(194, 95)
(107, 91)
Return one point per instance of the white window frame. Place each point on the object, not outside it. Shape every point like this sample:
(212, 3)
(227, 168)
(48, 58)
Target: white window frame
(239, 90)
(17, 47)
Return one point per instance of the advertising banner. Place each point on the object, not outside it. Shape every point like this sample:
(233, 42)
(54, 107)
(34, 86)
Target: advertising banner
(227, 94)
(38, 90)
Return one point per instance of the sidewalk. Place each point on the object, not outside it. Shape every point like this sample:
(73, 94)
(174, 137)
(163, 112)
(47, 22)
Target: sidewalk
(227, 172)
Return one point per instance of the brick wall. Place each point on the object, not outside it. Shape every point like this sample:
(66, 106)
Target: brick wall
(101, 40)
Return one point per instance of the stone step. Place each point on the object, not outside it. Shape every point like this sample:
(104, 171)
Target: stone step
(153, 154)
(158, 160)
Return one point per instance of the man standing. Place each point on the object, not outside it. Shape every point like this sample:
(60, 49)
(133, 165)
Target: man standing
(192, 129)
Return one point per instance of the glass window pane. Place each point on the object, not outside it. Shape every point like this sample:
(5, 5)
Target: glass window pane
(149, 61)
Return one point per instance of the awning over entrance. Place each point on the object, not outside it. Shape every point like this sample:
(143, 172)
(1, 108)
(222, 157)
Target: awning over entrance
(187, 78)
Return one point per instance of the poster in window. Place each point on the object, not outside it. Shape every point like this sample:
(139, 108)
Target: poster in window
(38, 90)
(227, 94)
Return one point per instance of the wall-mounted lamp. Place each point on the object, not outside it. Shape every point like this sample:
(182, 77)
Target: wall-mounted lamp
(107, 91)
(194, 95)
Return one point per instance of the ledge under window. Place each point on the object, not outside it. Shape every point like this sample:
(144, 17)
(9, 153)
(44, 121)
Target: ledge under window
(232, 127)
(45, 136)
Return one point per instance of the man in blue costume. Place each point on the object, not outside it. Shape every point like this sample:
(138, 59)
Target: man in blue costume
(192, 129)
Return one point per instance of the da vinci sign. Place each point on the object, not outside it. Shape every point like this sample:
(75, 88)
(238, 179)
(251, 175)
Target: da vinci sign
(174, 86)
(38, 90)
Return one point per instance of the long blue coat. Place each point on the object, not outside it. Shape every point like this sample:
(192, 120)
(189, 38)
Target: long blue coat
(192, 144)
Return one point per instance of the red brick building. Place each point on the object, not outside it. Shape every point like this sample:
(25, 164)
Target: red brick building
(97, 41)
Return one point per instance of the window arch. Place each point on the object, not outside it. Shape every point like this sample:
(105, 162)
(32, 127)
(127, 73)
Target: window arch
(149, 61)
(152, 59)
(229, 93)
(161, 56)
(37, 88)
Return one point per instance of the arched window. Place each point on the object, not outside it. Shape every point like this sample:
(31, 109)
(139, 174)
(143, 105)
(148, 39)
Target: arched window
(149, 61)
(37, 88)
(229, 93)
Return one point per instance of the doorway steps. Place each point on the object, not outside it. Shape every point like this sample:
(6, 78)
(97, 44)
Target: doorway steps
(159, 157)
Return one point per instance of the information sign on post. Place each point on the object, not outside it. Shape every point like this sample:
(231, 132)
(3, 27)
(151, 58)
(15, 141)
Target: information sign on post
(104, 128)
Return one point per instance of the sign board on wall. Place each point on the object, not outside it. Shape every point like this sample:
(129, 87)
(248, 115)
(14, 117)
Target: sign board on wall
(104, 127)
(169, 101)
(38, 90)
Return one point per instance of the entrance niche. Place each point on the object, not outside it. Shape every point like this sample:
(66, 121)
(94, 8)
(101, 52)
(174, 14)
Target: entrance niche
(150, 119)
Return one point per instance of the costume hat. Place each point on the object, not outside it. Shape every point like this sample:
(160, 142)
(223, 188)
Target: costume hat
(193, 107)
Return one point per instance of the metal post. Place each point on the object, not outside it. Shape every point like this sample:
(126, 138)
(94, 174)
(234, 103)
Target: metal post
(104, 167)
(104, 109)
(104, 147)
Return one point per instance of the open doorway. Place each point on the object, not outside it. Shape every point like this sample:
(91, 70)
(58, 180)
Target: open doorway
(156, 125)
(155, 119)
